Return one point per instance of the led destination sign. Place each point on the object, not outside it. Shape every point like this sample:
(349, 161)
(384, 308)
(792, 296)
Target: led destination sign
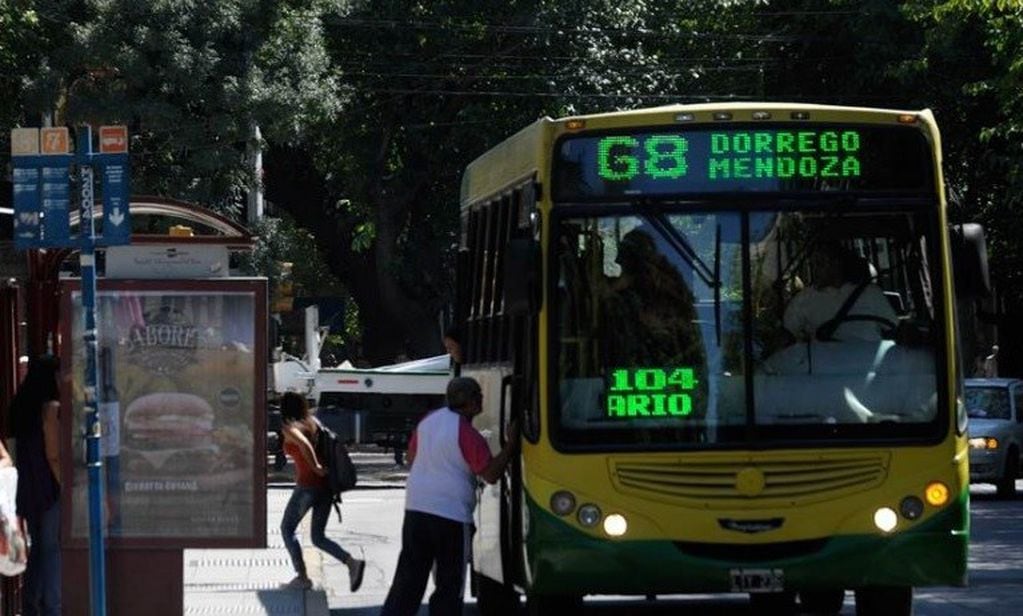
(762, 159)
(734, 154)
(635, 393)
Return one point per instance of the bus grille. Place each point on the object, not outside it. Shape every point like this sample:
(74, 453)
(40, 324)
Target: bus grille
(791, 481)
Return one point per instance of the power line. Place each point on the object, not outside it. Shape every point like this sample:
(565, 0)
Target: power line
(519, 94)
(527, 77)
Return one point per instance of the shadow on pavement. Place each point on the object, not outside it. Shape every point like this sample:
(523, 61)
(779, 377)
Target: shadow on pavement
(701, 606)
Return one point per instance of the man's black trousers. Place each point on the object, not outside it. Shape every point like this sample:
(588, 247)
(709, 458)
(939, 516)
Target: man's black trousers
(427, 539)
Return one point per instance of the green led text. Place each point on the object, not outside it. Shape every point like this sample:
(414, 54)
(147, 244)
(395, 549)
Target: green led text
(784, 154)
(663, 157)
(731, 155)
(650, 392)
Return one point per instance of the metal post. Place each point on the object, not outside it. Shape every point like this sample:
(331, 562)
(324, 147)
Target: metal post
(94, 462)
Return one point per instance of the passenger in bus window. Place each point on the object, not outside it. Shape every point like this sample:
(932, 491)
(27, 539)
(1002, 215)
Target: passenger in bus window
(842, 304)
(648, 312)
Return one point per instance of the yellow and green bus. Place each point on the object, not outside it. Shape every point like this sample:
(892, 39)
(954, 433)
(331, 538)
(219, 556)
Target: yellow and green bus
(728, 333)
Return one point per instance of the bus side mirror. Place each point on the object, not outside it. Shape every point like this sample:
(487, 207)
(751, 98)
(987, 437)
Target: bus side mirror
(522, 277)
(969, 260)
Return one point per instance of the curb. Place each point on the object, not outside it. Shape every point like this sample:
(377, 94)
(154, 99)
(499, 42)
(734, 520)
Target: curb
(316, 603)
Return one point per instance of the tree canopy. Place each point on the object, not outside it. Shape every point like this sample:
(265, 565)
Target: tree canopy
(369, 111)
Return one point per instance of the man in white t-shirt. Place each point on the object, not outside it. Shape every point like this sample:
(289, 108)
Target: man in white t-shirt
(447, 454)
(837, 277)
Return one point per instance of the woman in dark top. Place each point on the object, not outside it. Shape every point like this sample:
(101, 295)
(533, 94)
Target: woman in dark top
(36, 426)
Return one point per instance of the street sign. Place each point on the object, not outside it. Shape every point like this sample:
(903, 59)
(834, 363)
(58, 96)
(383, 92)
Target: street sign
(42, 186)
(26, 205)
(113, 139)
(55, 140)
(42, 183)
(56, 197)
(24, 141)
(113, 147)
(42, 201)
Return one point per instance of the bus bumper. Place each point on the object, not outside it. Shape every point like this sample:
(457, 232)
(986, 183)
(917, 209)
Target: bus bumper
(563, 560)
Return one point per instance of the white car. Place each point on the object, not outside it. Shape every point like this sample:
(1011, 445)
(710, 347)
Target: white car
(995, 407)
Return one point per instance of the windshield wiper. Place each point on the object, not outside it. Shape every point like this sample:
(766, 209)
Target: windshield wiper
(710, 277)
(682, 247)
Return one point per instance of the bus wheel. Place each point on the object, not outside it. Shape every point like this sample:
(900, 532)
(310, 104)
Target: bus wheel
(773, 603)
(553, 605)
(822, 601)
(494, 598)
(1007, 484)
(887, 600)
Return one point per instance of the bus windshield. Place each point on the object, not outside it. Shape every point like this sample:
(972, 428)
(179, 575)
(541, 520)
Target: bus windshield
(681, 329)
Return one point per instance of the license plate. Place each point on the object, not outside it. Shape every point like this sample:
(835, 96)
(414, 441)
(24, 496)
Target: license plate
(757, 580)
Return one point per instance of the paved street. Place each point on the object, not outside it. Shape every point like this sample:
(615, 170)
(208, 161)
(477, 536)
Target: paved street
(372, 523)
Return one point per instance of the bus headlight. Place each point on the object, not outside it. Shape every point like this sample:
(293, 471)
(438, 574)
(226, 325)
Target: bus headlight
(983, 442)
(615, 525)
(589, 515)
(886, 519)
(562, 502)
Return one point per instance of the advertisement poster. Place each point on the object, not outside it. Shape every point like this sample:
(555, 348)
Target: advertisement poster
(179, 385)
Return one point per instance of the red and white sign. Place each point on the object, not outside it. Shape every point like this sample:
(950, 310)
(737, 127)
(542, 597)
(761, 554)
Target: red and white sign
(113, 139)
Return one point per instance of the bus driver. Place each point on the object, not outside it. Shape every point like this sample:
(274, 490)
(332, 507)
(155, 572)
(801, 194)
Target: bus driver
(843, 303)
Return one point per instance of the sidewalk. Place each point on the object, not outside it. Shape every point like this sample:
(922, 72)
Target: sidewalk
(247, 581)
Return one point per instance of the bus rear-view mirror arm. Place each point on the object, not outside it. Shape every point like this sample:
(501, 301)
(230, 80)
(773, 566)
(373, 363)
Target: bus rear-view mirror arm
(969, 260)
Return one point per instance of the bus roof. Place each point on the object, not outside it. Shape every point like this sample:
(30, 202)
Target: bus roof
(508, 162)
(736, 107)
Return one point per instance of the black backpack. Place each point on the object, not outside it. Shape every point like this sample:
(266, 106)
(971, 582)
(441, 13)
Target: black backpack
(333, 456)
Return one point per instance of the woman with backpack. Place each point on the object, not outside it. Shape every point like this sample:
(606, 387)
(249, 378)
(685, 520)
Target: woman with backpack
(300, 431)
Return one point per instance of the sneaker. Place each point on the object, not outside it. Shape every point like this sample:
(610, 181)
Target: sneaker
(355, 570)
(300, 582)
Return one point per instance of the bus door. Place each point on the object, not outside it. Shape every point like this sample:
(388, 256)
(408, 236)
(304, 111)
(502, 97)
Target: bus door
(487, 554)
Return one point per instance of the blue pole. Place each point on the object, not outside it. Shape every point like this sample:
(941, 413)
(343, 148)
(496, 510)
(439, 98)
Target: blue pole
(94, 463)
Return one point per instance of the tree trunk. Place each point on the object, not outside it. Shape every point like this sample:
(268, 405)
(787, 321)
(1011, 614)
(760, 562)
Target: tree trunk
(393, 323)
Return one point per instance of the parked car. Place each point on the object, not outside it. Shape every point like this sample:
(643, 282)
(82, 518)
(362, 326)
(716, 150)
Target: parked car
(995, 407)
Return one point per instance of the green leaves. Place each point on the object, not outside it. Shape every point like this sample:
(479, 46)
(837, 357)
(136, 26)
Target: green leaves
(388, 101)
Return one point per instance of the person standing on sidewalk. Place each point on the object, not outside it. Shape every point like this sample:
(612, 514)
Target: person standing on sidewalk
(35, 415)
(446, 454)
(300, 429)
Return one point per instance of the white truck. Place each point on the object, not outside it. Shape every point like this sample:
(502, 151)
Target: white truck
(364, 405)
